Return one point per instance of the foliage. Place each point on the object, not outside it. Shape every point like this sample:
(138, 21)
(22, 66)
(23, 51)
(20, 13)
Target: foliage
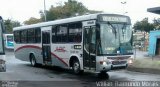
(32, 20)
(70, 8)
(10, 24)
(156, 23)
(143, 25)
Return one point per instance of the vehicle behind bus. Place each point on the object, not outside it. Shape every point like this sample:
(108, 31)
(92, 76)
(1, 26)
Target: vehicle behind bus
(8, 38)
(95, 42)
(2, 52)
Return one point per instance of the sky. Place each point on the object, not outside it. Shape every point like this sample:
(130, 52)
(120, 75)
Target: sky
(21, 10)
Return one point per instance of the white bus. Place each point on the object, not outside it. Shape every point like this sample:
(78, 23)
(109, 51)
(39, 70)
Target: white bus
(8, 39)
(95, 42)
(2, 52)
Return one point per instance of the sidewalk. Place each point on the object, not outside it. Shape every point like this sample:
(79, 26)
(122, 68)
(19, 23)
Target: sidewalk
(146, 65)
(140, 54)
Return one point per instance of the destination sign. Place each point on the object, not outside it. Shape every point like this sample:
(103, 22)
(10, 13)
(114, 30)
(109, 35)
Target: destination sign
(89, 23)
(114, 19)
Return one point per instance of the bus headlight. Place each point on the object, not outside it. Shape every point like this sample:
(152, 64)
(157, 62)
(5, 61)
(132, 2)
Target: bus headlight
(103, 62)
(130, 61)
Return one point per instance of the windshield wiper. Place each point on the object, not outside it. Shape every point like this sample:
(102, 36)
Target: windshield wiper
(124, 25)
(113, 29)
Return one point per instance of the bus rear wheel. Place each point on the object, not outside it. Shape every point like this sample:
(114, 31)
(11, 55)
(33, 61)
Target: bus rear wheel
(33, 60)
(3, 69)
(76, 67)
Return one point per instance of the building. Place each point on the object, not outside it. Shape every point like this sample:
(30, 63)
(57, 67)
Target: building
(154, 43)
(141, 40)
(154, 37)
(155, 10)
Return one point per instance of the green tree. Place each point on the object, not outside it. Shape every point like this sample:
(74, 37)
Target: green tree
(156, 23)
(143, 25)
(32, 20)
(69, 9)
(10, 24)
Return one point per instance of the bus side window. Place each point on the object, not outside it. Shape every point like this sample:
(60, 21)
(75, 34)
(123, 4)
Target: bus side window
(37, 35)
(17, 36)
(62, 33)
(75, 32)
(23, 36)
(54, 35)
(31, 38)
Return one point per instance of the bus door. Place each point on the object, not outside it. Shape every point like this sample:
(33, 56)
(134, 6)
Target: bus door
(46, 45)
(89, 46)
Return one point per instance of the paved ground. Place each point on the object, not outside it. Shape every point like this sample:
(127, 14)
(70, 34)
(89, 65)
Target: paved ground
(21, 73)
(140, 54)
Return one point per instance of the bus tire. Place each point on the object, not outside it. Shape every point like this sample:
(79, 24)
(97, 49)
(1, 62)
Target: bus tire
(76, 67)
(103, 75)
(33, 60)
(3, 69)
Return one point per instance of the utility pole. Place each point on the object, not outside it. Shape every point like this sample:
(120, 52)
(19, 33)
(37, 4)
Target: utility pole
(45, 19)
(124, 3)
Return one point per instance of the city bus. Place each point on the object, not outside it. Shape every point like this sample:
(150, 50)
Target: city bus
(94, 42)
(8, 38)
(2, 52)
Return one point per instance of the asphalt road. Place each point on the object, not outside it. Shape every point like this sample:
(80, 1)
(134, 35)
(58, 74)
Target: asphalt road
(140, 54)
(21, 74)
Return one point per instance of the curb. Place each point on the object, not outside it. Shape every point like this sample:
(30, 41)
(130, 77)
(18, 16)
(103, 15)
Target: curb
(144, 70)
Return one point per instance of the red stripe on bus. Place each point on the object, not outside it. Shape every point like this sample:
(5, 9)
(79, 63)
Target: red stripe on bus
(28, 46)
(31, 46)
(59, 59)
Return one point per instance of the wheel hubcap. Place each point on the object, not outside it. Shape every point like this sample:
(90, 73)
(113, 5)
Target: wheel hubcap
(76, 67)
(33, 62)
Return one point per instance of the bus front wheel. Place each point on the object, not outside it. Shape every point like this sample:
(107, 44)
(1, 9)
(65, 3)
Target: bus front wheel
(33, 60)
(76, 67)
(103, 75)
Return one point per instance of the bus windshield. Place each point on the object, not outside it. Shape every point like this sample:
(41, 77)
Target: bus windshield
(10, 38)
(115, 38)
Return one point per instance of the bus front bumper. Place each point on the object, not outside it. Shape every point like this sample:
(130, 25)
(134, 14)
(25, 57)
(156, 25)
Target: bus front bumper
(104, 67)
(121, 66)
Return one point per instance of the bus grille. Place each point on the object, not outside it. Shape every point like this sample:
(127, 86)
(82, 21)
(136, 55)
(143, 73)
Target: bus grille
(118, 62)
